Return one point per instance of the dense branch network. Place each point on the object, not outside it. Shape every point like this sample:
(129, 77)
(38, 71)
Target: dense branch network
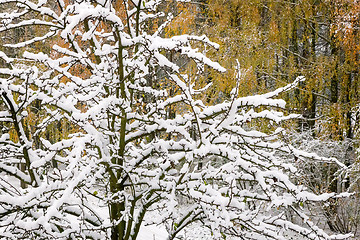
(109, 76)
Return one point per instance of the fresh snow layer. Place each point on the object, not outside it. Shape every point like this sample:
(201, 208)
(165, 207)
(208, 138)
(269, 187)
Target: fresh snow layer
(152, 232)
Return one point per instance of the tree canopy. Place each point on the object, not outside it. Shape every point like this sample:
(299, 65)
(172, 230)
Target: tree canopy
(136, 133)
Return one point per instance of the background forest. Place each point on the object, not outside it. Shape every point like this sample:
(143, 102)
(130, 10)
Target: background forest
(276, 41)
(53, 98)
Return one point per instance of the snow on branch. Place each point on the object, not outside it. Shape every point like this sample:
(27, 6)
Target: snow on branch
(105, 132)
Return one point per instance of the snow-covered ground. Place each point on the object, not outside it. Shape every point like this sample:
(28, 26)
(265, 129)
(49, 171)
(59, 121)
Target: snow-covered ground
(152, 232)
(196, 232)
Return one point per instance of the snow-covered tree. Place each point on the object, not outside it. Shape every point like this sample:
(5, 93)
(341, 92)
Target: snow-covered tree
(137, 133)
